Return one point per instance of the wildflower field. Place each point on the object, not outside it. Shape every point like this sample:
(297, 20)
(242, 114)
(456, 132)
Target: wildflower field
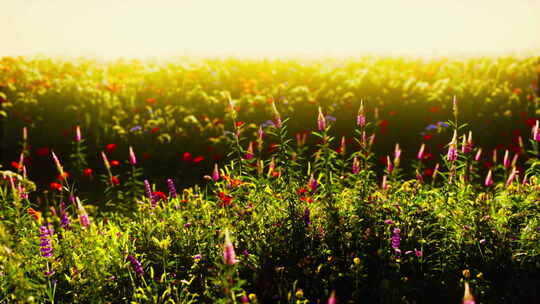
(368, 180)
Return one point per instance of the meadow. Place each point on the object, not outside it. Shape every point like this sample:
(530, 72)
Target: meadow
(367, 180)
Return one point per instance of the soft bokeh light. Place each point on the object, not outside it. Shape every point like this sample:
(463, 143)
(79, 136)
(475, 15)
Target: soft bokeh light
(278, 27)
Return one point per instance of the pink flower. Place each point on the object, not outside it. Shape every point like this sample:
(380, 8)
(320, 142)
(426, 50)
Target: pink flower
(215, 173)
(132, 158)
(228, 250)
(420, 154)
(321, 120)
(489, 180)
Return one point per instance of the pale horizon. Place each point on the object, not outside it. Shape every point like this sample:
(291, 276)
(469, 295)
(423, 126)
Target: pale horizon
(253, 28)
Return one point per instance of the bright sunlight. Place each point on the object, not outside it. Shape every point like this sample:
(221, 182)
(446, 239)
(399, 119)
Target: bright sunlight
(279, 27)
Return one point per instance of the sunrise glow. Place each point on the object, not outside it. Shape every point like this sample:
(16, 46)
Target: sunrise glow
(279, 27)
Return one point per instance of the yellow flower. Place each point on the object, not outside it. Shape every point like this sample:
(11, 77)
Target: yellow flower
(466, 273)
(299, 293)
(356, 260)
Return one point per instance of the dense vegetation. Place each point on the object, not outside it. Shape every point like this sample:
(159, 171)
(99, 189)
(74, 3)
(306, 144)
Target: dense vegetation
(269, 181)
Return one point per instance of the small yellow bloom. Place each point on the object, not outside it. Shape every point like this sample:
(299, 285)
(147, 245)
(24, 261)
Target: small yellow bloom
(480, 275)
(299, 293)
(252, 297)
(356, 260)
(466, 273)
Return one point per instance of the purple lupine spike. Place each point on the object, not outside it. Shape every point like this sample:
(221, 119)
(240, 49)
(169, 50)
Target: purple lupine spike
(136, 265)
(313, 183)
(45, 234)
(306, 216)
(172, 188)
(396, 240)
(64, 217)
(148, 192)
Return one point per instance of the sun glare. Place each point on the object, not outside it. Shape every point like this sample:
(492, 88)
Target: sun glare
(270, 28)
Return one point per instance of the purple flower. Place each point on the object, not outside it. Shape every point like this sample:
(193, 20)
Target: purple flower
(418, 253)
(135, 128)
(136, 264)
(330, 117)
(45, 234)
(313, 184)
(172, 188)
(388, 222)
(396, 240)
(307, 214)
(64, 217)
(148, 192)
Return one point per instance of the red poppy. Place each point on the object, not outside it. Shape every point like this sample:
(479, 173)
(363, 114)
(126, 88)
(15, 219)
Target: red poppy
(308, 200)
(151, 101)
(239, 124)
(302, 191)
(43, 151)
(187, 157)
(198, 159)
(488, 164)
(428, 136)
(88, 172)
(160, 195)
(428, 172)
(276, 173)
(517, 91)
(16, 165)
(154, 130)
(434, 109)
(383, 123)
(115, 180)
(110, 148)
(226, 200)
(531, 121)
(114, 163)
(56, 186)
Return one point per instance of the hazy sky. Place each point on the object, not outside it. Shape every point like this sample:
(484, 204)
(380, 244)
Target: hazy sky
(111, 28)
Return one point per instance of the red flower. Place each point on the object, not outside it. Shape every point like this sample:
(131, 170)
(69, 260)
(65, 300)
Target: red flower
(88, 172)
(434, 109)
(428, 136)
(531, 121)
(226, 200)
(239, 124)
(517, 91)
(428, 172)
(198, 159)
(56, 186)
(110, 148)
(62, 177)
(488, 164)
(186, 157)
(16, 165)
(302, 191)
(308, 200)
(383, 123)
(151, 101)
(114, 163)
(43, 151)
(160, 195)
(154, 130)
(115, 180)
